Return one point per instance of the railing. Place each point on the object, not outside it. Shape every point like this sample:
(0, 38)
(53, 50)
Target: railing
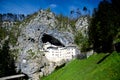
(12, 77)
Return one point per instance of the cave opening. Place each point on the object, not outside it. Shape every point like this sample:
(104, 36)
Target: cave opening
(52, 40)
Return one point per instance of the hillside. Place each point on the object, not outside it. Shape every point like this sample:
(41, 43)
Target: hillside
(27, 38)
(88, 69)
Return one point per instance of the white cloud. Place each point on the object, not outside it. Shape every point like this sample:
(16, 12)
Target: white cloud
(53, 5)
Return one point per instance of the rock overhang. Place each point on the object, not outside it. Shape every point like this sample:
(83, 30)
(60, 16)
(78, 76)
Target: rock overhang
(49, 38)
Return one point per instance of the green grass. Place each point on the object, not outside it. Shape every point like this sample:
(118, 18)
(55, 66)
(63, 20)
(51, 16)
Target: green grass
(88, 69)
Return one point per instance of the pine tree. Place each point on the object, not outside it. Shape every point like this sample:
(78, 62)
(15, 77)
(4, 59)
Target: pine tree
(6, 61)
(102, 28)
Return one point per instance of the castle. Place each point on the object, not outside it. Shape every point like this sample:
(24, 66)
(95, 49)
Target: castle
(56, 53)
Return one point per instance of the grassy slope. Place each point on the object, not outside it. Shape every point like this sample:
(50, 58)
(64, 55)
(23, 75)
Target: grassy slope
(87, 69)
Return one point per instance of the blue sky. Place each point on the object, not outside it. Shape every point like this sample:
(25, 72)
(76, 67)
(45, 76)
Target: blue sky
(58, 6)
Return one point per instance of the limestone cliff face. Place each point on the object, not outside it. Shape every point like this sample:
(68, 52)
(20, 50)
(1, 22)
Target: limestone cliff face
(31, 59)
(82, 24)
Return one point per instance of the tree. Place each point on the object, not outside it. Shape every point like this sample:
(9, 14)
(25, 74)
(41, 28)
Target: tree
(48, 10)
(116, 5)
(85, 9)
(78, 12)
(6, 61)
(82, 42)
(102, 29)
(0, 17)
(72, 14)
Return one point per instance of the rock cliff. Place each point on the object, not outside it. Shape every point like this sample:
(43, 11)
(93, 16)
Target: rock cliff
(31, 59)
(82, 24)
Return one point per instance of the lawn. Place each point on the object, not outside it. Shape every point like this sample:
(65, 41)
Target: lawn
(88, 69)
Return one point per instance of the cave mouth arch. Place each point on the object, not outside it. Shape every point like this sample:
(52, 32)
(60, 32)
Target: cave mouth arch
(52, 40)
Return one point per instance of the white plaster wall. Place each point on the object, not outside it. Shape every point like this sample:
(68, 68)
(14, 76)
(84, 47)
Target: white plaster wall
(60, 53)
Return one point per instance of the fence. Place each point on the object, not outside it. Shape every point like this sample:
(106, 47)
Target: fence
(12, 77)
